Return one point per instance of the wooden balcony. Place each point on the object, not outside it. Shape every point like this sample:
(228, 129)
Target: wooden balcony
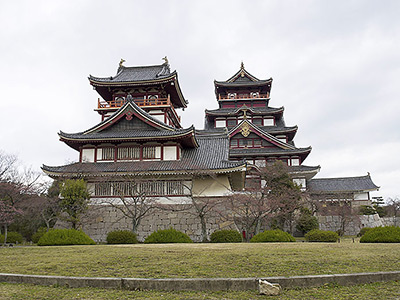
(243, 97)
(115, 104)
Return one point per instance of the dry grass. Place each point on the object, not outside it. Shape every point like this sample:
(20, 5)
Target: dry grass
(201, 260)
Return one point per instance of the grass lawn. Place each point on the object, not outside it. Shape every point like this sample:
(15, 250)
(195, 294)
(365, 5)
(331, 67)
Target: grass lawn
(387, 290)
(201, 260)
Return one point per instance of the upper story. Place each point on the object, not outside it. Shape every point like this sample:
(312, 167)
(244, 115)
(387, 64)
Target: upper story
(155, 89)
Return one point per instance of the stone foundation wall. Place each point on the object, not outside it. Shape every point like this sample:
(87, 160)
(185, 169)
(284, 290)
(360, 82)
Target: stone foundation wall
(100, 220)
(354, 224)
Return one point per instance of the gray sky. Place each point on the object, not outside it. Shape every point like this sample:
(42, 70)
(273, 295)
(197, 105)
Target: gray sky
(335, 65)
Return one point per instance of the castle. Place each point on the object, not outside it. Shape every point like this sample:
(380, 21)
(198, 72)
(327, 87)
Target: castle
(140, 148)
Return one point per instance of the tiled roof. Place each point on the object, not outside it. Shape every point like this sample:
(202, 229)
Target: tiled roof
(342, 184)
(133, 74)
(127, 134)
(268, 151)
(212, 154)
(234, 111)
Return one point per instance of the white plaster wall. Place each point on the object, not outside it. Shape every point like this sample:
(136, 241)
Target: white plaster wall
(218, 186)
(88, 155)
(158, 152)
(361, 196)
(220, 123)
(99, 153)
(170, 153)
(159, 117)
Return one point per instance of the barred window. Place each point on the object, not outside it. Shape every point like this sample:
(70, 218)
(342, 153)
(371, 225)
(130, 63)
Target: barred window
(149, 188)
(128, 153)
(149, 152)
(102, 189)
(107, 154)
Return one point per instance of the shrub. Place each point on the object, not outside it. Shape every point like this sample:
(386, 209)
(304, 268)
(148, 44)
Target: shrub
(367, 210)
(363, 231)
(306, 221)
(55, 237)
(38, 234)
(12, 237)
(121, 237)
(387, 234)
(226, 236)
(275, 235)
(167, 236)
(317, 235)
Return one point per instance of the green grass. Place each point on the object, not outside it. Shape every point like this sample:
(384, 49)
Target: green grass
(201, 260)
(387, 290)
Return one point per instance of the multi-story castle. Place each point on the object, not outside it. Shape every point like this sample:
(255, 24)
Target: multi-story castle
(140, 136)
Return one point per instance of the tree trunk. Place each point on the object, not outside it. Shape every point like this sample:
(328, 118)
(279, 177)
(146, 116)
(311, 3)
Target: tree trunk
(204, 236)
(258, 226)
(5, 235)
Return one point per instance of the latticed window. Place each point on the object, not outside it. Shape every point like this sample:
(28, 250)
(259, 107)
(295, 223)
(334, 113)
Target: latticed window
(149, 152)
(102, 189)
(149, 188)
(174, 188)
(128, 153)
(107, 154)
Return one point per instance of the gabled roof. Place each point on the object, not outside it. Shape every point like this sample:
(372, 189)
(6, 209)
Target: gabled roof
(107, 131)
(243, 78)
(342, 184)
(211, 155)
(136, 74)
(141, 76)
(245, 125)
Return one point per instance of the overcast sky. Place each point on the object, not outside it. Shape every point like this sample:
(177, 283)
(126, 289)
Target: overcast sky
(335, 65)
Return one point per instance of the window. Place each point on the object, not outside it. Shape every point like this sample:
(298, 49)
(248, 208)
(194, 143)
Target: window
(231, 122)
(220, 123)
(149, 152)
(148, 188)
(107, 154)
(128, 153)
(269, 122)
(294, 161)
(257, 121)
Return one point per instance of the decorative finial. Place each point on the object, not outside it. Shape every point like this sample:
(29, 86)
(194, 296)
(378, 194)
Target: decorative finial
(242, 69)
(121, 62)
(129, 98)
(165, 59)
(244, 114)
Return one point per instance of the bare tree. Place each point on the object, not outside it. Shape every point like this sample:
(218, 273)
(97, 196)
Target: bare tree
(272, 194)
(132, 200)
(394, 208)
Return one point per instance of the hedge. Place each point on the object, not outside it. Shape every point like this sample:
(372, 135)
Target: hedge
(317, 235)
(58, 237)
(275, 235)
(121, 237)
(167, 236)
(226, 236)
(387, 234)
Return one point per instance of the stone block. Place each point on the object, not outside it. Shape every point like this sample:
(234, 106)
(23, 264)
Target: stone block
(269, 289)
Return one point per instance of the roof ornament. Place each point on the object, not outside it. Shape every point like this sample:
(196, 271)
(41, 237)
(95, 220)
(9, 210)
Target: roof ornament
(165, 59)
(242, 69)
(245, 131)
(121, 62)
(129, 98)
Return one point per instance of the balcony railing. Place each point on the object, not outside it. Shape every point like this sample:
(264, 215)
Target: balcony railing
(114, 104)
(243, 96)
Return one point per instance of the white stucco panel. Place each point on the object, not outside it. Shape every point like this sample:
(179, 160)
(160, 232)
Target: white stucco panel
(87, 155)
(218, 186)
(361, 196)
(170, 153)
